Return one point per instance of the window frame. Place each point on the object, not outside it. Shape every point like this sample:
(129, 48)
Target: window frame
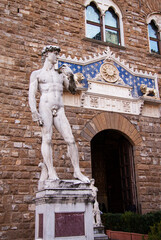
(113, 28)
(94, 23)
(103, 6)
(157, 39)
(156, 19)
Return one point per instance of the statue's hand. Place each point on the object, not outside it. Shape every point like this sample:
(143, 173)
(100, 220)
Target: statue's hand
(36, 117)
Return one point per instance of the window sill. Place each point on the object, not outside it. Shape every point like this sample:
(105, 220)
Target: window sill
(154, 55)
(103, 43)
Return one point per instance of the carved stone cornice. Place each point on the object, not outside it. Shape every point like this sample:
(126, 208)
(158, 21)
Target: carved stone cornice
(116, 99)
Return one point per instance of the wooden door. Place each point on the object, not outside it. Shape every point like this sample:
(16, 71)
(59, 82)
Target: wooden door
(127, 173)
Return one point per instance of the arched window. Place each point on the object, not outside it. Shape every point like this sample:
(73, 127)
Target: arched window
(112, 31)
(93, 22)
(154, 40)
(104, 23)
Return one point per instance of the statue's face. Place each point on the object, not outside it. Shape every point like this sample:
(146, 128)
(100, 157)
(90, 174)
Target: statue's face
(52, 57)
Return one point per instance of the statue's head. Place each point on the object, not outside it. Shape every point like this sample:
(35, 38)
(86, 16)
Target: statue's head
(92, 181)
(47, 49)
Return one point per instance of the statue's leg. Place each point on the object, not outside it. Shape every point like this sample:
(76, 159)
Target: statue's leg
(46, 146)
(62, 125)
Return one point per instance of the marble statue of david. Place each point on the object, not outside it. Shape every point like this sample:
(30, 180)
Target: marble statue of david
(50, 83)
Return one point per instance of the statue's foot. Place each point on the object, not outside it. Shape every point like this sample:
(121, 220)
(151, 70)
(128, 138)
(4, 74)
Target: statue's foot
(81, 177)
(53, 175)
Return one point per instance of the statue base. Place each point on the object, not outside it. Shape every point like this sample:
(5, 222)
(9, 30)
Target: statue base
(99, 233)
(64, 210)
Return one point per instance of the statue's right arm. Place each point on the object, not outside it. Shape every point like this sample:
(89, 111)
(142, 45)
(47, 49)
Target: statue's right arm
(33, 87)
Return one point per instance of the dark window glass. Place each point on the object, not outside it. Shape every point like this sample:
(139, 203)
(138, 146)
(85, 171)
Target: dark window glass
(154, 46)
(111, 19)
(153, 37)
(93, 32)
(93, 20)
(112, 31)
(112, 36)
(152, 30)
(92, 14)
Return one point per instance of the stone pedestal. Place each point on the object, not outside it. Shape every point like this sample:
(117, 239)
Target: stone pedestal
(64, 210)
(99, 233)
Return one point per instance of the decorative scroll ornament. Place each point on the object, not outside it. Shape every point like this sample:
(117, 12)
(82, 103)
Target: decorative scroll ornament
(108, 54)
(109, 72)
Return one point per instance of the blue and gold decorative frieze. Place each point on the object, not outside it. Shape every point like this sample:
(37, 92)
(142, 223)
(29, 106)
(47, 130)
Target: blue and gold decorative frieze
(91, 69)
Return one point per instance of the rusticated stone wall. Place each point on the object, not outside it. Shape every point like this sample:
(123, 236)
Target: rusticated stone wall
(26, 26)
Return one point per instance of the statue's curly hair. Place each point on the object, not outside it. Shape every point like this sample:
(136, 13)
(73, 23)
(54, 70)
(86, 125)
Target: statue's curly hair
(47, 49)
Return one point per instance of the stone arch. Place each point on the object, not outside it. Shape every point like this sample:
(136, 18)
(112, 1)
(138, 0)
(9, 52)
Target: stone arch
(115, 121)
(104, 5)
(156, 17)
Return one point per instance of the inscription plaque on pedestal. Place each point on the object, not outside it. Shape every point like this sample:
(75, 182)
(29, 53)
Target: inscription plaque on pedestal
(69, 224)
(40, 225)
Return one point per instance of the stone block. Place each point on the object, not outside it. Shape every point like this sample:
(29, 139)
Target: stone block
(18, 144)
(99, 233)
(87, 131)
(86, 136)
(97, 124)
(100, 120)
(91, 129)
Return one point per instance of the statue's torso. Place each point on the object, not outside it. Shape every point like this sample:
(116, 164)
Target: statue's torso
(51, 88)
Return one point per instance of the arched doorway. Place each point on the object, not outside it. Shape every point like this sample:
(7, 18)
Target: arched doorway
(113, 171)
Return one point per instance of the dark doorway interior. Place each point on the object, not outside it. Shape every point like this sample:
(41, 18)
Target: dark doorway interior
(113, 171)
